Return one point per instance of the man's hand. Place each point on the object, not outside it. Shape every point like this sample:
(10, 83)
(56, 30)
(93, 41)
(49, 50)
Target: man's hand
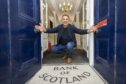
(40, 28)
(93, 29)
(37, 28)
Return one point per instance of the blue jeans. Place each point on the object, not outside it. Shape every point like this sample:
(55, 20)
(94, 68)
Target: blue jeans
(64, 49)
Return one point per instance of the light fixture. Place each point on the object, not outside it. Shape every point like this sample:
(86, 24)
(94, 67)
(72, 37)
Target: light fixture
(65, 7)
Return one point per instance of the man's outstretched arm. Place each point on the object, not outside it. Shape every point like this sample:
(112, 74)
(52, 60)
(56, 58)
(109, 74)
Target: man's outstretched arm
(85, 31)
(41, 28)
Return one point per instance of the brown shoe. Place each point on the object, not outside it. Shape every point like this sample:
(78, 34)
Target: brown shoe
(69, 60)
(65, 57)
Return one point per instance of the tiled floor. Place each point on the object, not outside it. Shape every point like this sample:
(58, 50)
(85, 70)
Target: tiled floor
(80, 56)
(66, 74)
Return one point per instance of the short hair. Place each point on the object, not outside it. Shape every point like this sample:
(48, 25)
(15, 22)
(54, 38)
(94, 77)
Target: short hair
(66, 15)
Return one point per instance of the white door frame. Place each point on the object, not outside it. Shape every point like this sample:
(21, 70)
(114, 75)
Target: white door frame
(44, 37)
(91, 36)
(41, 17)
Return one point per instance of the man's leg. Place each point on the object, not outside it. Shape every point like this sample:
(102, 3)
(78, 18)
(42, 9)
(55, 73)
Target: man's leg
(58, 49)
(69, 48)
(70, 52)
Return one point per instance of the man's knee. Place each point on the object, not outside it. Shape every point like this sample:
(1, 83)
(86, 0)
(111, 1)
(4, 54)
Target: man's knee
(70, 45)
(54, 49)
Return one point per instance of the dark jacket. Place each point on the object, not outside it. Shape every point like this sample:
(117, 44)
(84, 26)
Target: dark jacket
(72, 30)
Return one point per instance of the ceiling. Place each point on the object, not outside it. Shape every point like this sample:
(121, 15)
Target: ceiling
(54, 6)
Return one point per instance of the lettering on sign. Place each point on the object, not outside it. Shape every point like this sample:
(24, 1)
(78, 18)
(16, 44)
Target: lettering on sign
(61, 79)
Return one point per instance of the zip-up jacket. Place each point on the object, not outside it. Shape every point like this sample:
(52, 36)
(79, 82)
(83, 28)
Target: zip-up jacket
(72, 30)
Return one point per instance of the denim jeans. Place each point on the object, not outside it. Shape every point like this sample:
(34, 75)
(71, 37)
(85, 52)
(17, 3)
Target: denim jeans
(64, 49)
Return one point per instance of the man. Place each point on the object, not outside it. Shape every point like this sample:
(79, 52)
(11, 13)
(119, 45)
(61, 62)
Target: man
(66, 40)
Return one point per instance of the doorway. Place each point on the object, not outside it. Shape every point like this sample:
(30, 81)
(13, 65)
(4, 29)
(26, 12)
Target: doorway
(82, 19)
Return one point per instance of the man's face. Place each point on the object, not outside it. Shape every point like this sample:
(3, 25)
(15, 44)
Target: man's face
(65, 20)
